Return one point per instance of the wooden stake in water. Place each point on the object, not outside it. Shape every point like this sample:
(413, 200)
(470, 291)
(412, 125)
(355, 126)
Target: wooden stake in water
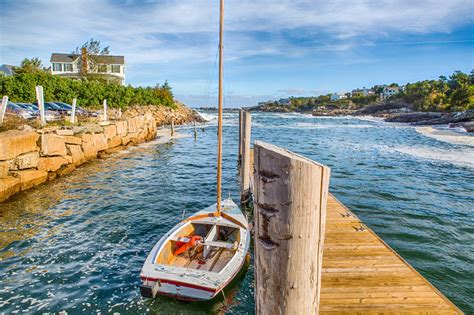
(239, 156)
(3, 108)
(195, 131)
(40, 100)
(104, 117)
(172, 127)
(73, 111)
(245, 162)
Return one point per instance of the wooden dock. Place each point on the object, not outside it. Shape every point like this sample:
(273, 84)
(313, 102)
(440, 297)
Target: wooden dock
(362, 274)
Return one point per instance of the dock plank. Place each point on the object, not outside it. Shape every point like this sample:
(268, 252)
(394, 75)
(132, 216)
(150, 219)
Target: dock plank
(363, 275)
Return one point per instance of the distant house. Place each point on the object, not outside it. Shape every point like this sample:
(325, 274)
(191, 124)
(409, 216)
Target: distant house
(7, 70)
(69, 65)
(284, 101)
(363, 92)
(388, 91)
(338, 96)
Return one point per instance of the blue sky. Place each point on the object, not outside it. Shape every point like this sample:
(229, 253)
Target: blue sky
(273, 48)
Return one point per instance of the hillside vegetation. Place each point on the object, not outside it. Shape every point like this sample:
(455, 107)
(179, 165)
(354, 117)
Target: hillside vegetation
(89, 92)
(455, 93)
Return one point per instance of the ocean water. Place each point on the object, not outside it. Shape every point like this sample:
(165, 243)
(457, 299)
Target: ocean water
(78, 243)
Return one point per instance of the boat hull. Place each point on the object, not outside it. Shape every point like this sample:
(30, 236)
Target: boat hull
(198, 282)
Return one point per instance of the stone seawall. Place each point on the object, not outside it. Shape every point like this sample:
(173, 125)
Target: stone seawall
(31, 157)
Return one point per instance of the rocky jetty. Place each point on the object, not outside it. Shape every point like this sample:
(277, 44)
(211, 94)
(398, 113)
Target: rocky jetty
(30, 157)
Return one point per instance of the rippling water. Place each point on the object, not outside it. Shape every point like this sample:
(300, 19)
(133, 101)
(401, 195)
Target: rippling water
(78, 243)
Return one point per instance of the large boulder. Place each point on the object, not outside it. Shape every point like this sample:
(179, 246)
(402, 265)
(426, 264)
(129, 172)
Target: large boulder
(52, 145)
(110, 131)
(25, 161)
(31, 178)
(88, 146)
(100, 142)
(14, 143)
(4, 168)
(65, 170)
(114, 142)
(72, 140)
(8, 187)
(75, 151)
(121, 126)
(51, 164)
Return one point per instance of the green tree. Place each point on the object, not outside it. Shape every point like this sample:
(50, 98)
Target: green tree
(30, 65)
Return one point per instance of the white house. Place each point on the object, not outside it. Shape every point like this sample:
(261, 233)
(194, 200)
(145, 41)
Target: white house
(338, 96)
(69, 65)
(390, 90)
(363, 91)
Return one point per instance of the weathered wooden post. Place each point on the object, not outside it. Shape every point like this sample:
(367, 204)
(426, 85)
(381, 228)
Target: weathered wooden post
(172, 127)
(239, 156)
(246, 124)
(290, 215)
(104, 117)
(195, 130)
(40, 100)
(3, 109)
(73, 111)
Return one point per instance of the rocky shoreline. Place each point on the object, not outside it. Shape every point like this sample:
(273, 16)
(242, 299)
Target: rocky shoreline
(30, 157)
(391, 112)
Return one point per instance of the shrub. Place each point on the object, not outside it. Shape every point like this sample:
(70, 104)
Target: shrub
(89, 92)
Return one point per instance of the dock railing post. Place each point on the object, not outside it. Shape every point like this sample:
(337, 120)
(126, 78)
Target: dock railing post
(40, 100)
(3, 108)
(246, 125)
(73, 111)
(290, 197)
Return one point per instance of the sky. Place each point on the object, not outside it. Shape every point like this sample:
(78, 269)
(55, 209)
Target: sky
(273, 49)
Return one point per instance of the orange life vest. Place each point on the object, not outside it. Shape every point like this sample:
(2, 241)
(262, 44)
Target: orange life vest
(184, 246)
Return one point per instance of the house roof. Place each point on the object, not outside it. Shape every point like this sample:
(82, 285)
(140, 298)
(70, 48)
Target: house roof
(107, 59)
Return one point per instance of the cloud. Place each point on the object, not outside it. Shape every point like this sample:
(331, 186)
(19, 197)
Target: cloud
(178, 38)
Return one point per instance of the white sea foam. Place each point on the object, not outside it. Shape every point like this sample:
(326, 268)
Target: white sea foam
(464, 157)
(447, 136)
(306, 125)
(207, 117)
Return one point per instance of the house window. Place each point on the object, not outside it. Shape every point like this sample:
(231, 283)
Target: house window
(67, 67)
(57, 67)
(102, 68)
(115, 69)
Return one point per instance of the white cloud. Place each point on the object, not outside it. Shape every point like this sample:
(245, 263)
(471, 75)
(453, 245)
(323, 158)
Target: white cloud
(182, 34)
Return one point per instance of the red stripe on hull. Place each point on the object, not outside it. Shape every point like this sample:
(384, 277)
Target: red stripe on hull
(181, 284)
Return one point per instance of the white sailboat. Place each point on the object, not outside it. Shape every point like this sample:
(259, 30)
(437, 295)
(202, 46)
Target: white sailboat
(201, 255)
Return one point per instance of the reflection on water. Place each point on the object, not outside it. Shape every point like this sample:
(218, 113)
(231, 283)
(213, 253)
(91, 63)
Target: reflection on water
(78, 243)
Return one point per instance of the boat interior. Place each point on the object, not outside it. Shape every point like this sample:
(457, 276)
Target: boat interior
(212, 252)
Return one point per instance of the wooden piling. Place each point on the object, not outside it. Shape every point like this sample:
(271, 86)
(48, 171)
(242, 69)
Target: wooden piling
(195, 130)
(244, 144)
(73, 111)
(3, 108)
(40, 100)
(105, 117)
(290, 198)
(239, 156)
(172, 127)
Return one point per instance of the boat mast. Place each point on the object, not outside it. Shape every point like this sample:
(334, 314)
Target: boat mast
(219, 124)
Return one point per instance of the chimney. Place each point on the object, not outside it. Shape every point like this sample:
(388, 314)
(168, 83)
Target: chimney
(85, 65)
